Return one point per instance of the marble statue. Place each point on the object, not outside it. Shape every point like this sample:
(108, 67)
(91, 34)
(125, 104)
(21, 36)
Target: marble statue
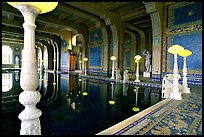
(17, 61)
(118, 76)
(125, 76)
(147, 60)
(167, 85)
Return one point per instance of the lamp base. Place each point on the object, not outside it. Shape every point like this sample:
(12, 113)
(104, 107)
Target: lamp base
(146, 74)
(175, 95)
(186, 90)
(137, 80)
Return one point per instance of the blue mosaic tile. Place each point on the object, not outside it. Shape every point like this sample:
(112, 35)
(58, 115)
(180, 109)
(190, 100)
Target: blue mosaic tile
(173, 124)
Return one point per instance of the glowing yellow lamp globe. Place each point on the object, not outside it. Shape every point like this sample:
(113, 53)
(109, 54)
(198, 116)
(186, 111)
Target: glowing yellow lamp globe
(42, 6)
(136, 109)
(85, 93)
(79, 79)
(86, 59)
(175, 49)
(111, 102)
(185, 53)
(80, 61)
(137, 57)
(113, 58)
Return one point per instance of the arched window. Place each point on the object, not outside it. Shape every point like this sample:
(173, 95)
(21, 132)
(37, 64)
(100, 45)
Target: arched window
(7, 55)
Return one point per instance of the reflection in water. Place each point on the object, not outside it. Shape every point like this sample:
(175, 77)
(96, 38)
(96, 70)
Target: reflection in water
(112, 101)
(68, 111)
(7, 82)
(16, 75)
(125, 89)
(135, 108)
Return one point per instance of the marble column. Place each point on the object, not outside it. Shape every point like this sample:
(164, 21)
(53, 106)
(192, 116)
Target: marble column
(186, 89)
(175, 94)
(30, 122)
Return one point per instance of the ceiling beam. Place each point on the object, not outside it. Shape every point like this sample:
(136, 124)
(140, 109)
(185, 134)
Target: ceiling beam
(134, 15)
(80, 13)
(43, 18)
(63, 16)
(96, 9)
(115, 5)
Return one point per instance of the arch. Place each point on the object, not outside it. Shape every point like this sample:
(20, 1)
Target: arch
(155, 9)
(133, 47)
(141, 44)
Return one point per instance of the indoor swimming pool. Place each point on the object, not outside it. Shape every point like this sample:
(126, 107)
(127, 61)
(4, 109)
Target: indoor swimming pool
(73, 105)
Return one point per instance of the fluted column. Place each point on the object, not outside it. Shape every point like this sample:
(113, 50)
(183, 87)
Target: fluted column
(137, 72)
(30, 123)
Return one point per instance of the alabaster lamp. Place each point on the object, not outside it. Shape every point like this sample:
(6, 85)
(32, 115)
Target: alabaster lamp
(85, 59)
(185, 53)
(175, 94)
(113, 58)
(137, 59)
(30, 123)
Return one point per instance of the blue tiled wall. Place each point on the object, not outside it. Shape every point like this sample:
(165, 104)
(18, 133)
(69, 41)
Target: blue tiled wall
(127, 59)
(188, 13)
(64, 54)
(95, 35)
(192, 42)
(95, 56)
(185, 28)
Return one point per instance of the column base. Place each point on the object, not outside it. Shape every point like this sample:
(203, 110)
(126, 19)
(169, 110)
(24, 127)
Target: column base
(112, 77)
(175, 95)
(137, 80)
(186, 90)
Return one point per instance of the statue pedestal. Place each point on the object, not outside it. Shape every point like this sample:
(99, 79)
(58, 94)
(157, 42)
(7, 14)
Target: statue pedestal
(146, 74)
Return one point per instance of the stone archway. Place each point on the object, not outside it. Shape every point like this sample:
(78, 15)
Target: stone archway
(156, 13)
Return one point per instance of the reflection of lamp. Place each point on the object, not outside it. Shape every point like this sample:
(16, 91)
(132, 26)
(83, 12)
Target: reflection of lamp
(135, 108)
(111, 101)
(175, 94)
(137, 58)
(184, 54)
(29, 75)
(84, 88)
(85, 59)
(113, 58)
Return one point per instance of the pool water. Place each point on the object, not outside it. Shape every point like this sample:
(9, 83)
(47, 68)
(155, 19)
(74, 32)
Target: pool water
(73, 105)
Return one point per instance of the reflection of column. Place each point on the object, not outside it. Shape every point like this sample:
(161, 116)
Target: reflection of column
(84, 88)
(135, 108)
(30, 123)
(112, 90)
